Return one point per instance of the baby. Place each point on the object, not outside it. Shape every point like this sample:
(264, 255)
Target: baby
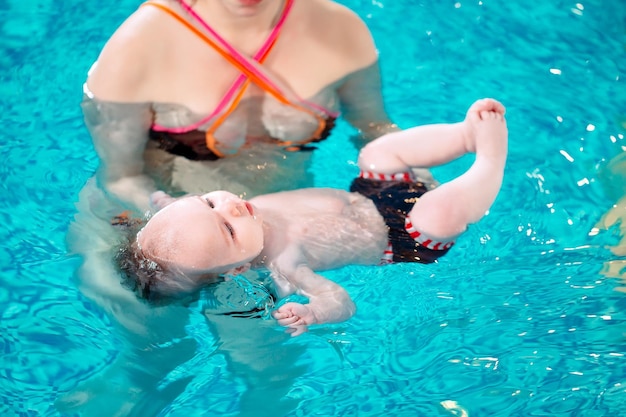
(386, 217)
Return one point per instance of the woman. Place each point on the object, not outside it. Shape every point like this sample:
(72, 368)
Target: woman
(187, 93)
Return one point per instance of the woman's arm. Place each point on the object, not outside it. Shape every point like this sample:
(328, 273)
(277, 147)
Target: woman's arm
(120, 132)
(118, 89)
(362, 103)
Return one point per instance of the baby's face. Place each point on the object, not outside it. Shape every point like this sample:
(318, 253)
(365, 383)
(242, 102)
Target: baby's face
(212, 233)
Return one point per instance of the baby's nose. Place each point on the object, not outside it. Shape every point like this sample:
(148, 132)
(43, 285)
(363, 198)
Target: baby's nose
(237, 208)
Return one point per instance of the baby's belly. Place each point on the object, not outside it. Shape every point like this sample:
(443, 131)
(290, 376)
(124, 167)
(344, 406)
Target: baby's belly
(358, 235)
(348, 252)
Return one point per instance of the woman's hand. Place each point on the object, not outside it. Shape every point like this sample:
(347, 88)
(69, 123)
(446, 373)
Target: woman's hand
(160, 199)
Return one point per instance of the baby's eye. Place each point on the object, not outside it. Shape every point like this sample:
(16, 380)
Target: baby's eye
(210, 203)
(230, 230)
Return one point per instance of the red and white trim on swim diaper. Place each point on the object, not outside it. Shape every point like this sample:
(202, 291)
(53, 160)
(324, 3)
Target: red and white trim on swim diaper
(399, 176)
(425, 240)
(387, 257)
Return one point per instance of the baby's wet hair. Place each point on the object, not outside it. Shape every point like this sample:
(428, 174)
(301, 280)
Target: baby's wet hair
(151, 280)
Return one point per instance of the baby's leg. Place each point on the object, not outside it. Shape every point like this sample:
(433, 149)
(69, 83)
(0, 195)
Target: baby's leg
(445, 212)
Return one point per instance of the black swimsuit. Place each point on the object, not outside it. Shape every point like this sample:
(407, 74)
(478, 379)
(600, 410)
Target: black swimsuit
(394, 199)
(192, 144)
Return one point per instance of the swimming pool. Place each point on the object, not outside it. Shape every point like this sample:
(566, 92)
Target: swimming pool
(520, 319)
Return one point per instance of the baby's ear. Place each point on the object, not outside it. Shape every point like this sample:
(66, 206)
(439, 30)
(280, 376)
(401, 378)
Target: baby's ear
(240, 269)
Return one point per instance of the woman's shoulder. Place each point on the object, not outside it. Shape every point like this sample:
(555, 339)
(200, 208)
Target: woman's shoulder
(337, 18)
(342, 27)
(129, 57)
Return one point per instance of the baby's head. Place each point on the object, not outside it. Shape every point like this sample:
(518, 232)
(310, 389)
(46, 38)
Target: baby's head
(191, 242)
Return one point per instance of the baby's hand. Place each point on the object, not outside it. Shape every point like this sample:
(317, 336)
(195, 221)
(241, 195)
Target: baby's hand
(297, 317)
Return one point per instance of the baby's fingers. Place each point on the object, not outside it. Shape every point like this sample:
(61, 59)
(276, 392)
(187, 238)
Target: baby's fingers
(285, 317)
(289, 321)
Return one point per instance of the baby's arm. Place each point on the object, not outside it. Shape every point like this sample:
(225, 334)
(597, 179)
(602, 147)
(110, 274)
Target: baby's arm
(328, 301)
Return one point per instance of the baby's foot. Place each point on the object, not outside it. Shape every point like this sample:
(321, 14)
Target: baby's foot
(485, 104)
(491, 134)
(474, 117)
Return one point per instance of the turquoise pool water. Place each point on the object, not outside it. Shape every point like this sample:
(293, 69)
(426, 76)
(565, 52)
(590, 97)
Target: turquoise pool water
(521, 319)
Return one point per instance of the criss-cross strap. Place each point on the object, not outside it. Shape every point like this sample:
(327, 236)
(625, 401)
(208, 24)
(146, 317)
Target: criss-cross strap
(249, 73)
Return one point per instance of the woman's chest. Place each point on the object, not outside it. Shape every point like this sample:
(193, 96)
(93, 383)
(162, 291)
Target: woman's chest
(201, 77)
